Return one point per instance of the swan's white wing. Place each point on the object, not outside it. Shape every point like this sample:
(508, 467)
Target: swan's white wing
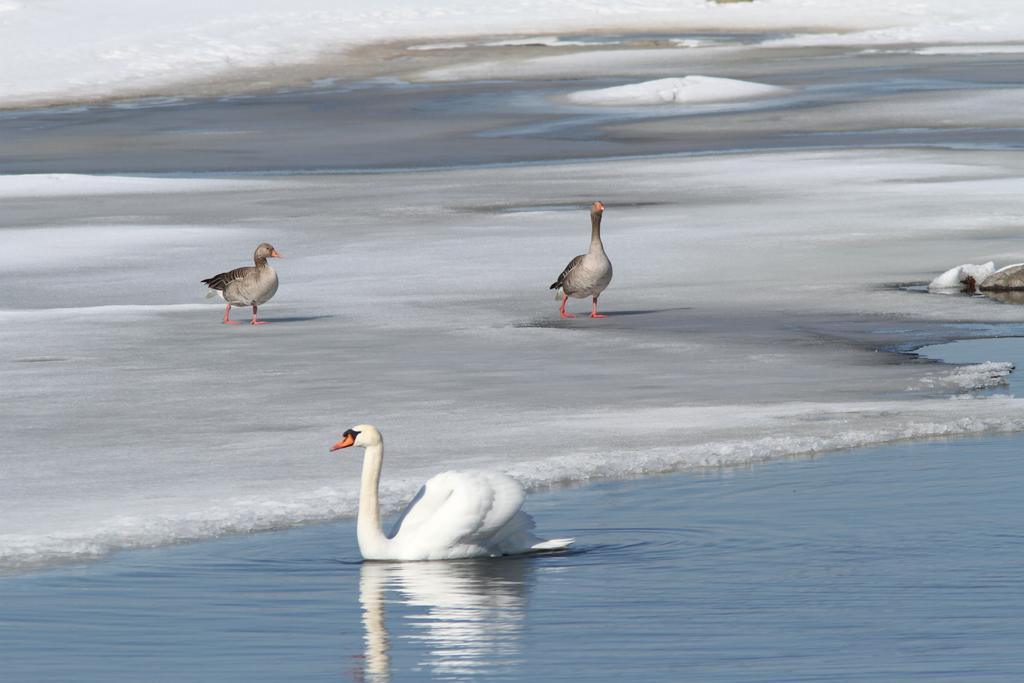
(456, 510)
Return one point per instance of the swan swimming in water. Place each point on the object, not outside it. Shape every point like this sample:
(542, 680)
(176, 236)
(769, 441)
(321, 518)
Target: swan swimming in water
(454, 515)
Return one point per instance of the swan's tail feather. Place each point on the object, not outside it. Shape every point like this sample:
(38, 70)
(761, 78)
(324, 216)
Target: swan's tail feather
(553, 544)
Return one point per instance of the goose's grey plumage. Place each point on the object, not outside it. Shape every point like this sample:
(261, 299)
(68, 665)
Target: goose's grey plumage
(248, 285)
(587, 274)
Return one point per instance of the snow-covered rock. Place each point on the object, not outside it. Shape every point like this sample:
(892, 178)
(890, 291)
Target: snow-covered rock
(954, 278)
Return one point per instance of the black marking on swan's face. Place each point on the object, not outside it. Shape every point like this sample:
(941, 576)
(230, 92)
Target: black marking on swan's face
(351, 432)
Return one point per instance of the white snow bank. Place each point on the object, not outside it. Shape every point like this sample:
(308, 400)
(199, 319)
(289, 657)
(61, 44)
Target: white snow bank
(687, 90)
(937, 21)
(954, 277)
(68, 50)
(73, 184)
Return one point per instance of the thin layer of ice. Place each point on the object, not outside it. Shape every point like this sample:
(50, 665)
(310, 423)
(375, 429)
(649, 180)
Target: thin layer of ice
(968, 377)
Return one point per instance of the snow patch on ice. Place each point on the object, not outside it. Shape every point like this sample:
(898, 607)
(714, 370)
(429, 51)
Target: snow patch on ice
(542, 41)
(687, 90)
(439, 46)
(533, 41)
(970, 50)
(693, 42)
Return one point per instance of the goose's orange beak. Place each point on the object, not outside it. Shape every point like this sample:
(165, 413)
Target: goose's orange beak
(347, 441)
(275, 254)
(598, 206)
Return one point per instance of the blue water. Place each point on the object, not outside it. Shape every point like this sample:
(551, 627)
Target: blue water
(967, 351)
(896, 563)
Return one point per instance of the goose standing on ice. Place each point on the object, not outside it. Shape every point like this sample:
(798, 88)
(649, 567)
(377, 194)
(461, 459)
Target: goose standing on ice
(587, 274)
(248, 285)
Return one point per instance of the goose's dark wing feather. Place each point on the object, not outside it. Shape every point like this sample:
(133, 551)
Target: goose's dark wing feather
(222, 280)
(565, 273)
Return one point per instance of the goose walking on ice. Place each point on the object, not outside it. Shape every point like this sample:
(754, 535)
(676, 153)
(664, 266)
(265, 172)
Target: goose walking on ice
(454, 515)
(248, 285)
(587, 274)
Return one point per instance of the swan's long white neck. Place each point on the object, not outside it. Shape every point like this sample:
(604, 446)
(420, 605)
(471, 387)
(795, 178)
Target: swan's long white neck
(371, 538)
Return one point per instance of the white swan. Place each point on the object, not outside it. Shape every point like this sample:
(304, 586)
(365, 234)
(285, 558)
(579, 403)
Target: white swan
(454, 515)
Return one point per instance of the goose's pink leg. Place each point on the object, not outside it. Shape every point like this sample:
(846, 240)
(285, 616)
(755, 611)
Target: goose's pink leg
(254, 320)
(594, 313)
(565, 298)
(227, 316)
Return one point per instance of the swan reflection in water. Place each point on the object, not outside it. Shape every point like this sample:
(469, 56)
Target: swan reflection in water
(466, 615)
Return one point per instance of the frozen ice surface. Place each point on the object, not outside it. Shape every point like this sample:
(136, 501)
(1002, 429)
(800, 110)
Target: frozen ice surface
(585, 63)
(419, 302)
(687, 90)
(997, 49)
(70, 184)
(954, 277)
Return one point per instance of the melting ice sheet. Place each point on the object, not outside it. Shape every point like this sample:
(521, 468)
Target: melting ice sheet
(746, 311)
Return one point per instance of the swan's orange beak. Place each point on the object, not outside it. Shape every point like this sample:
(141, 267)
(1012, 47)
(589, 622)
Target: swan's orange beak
(346, 441)
(275, 254)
